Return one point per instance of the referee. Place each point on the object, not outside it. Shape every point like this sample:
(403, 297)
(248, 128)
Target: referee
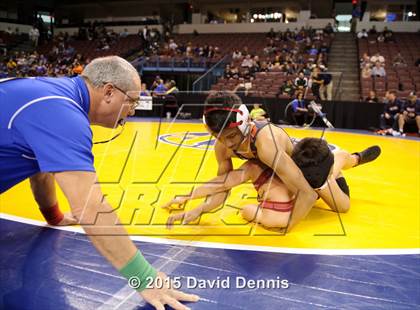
(45, 136)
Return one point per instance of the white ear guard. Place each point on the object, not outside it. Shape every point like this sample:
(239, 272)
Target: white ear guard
(242, 119)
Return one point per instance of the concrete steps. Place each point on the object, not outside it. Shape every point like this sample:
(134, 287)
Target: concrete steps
(343, 57)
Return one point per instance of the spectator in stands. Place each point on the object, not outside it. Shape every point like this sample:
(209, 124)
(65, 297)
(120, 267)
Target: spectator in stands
(236, 54)
(69, 51)
(316, 82)
(392, 110)
(144, 91)
(210, 53)
(3, 70)
(146, 33)
(417, 63)
(271, 34)
(320, 60)
(160, 89)
(324, 48)
(245, 75)
(245, 51)
(366, 71)
(378, 70)
(103, 45)
(362, 34)
(377, 57)
(301, 81)
(264, 67)
(11, 65)
(364, 60)
(34, 35)
(373, 30)
(9, 30)
(289, 68)
(257, 113)
(277, 61)
(380, 38)
(325, 91)
(329, 29)
(299, 109)
(254, 69)
(285, 49)
(287, 89)
(227, 74)
(372, 98)
(189, 50)
(77, 68)
(307, 69)
(247, 62)
(171, 88)
(172, 45)
(269, 48)
(388, 35)
(313, 52)
(124, 33)
(410, 113)
(399, 61)
(234, 72)
(256, 61)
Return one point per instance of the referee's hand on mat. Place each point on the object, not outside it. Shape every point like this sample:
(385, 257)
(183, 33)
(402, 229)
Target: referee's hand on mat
(68, 219)
(167, 295)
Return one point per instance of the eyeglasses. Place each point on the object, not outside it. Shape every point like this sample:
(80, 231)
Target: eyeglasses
(133, 101)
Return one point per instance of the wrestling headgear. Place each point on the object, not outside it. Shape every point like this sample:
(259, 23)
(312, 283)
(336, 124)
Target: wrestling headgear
(242, 116)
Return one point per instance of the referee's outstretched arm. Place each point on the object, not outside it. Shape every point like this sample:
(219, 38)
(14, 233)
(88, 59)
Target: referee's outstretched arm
(100, 223)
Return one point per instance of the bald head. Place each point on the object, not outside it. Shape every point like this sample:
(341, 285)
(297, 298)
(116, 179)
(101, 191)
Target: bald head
(114, 70)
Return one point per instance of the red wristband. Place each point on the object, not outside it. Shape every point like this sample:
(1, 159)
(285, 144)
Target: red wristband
(52, 215)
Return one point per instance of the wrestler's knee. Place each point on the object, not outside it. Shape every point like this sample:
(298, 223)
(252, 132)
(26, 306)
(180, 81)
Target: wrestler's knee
(250, 212)
(344, 208)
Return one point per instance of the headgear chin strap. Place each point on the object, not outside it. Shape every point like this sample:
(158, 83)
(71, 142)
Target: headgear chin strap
(242, 116)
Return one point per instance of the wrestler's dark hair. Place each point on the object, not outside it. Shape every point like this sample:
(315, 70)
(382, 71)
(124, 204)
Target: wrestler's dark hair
(310, 151)
(314, 158)
(217, 120)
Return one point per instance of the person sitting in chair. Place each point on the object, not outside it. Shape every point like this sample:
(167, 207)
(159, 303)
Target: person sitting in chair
(300, 111)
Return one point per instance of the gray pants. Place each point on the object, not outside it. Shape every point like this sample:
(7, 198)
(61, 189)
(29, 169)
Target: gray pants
(325, 92)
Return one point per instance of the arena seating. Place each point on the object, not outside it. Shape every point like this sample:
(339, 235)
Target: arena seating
(88, 49)
(402, 79)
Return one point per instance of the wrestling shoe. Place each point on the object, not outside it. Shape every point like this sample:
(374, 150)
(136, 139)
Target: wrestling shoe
(368, 155)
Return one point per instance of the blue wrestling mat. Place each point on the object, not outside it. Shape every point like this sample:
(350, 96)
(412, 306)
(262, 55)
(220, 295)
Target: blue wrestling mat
(44, 268)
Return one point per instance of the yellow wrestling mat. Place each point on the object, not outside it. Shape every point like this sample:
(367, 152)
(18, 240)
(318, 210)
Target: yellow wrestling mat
(146, 166)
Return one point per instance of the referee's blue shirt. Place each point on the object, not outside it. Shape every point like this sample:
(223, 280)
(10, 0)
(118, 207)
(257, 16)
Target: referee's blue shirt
(44, 126)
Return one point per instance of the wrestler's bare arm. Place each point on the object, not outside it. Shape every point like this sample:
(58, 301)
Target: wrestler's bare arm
(225, 165)
(221, 183)
(271, 148)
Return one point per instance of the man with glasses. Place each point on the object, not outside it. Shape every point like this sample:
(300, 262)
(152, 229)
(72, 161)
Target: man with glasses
(45, 136)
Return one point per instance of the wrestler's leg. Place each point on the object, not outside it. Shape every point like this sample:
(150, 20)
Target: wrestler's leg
(334, 196)
(343, 160)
